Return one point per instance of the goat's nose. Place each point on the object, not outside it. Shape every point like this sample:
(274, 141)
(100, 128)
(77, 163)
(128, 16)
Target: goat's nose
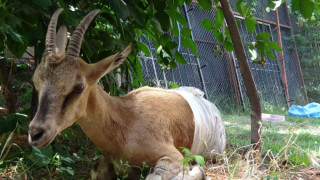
(36, 134)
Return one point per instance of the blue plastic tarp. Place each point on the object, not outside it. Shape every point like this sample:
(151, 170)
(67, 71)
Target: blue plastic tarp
(309, 110)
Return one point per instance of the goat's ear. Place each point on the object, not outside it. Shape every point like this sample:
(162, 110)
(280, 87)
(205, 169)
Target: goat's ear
(61, 40)
(95, 71)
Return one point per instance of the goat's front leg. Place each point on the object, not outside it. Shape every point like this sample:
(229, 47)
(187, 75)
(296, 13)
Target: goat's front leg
(104, 170)
(169, 168)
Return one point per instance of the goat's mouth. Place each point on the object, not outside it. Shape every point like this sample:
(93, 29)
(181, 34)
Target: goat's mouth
(44, 141)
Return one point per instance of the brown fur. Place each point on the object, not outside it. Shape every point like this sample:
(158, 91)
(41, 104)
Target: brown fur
(136, 127)
(147, 125)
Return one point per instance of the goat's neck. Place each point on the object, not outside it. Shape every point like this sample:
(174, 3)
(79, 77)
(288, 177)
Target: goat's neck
(103, 120)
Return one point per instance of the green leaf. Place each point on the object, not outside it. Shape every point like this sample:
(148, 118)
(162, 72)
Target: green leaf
(238, 23)
(260, 46)
(42, 156)
(144, 48)
(188, 2)
(172, 7)
(70, 171)
(243, 8)
(186, 152)
(175, 29)
(171, 45)
(137, 68)
(2, 40)
(164, 20)
(227, 33)
(186, 32)
(273, 5)
(159, 5)
(15, 36)
(9, 123)
(306, 8)
(66, 159)
(219, 16)
(228, 45)
(205, 4)
(165, 53)
(137, 15)
(123, 10)
(164, 39)
(193, 47)
(156, 24)
(172, 65)
(251, 23)
(217, 34)
(295, 5)
(17, 48)
(264, 36)
(270, 54)
(181, 19)
(275, 46)
(173, 86)
(42, 3)
(199, 160)
(317, 9)
(180, 59)
(185, 42)
(207, 24)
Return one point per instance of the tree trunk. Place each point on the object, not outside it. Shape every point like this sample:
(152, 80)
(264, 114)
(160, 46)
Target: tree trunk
(10, 98)
(251, 90)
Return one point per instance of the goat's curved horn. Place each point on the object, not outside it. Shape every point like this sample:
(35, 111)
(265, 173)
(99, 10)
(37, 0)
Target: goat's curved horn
(51, 32)
(74, 46)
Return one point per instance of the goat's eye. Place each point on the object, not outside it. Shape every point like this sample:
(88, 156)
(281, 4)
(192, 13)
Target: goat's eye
(78, 89)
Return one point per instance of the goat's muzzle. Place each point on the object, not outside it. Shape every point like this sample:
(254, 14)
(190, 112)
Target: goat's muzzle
(38, 135)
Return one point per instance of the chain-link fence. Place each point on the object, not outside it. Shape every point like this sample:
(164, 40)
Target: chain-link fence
(268, 78)
(217, 74)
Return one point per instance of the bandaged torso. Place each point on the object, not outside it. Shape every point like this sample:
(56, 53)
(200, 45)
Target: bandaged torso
(209, 135)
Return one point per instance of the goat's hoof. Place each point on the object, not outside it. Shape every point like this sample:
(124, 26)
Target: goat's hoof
(197, 172)
(194, 173)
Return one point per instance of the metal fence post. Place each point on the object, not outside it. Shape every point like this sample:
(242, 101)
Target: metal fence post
(284, 75)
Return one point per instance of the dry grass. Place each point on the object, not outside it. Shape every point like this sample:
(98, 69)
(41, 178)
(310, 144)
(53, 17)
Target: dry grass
(291, 150)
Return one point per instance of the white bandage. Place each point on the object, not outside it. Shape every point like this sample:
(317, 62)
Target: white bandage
(209, 136)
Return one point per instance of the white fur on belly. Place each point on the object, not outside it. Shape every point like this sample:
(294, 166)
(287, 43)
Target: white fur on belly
(209, 136)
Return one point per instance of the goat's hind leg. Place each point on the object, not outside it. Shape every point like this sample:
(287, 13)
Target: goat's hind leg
(169, 168)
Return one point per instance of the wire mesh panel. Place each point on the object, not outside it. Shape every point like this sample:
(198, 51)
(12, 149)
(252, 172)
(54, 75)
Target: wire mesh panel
(218, 74)
(294, 80)
(259, 9)
(183, 75)
(215, 67)
(283, 16)
(267, 79)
